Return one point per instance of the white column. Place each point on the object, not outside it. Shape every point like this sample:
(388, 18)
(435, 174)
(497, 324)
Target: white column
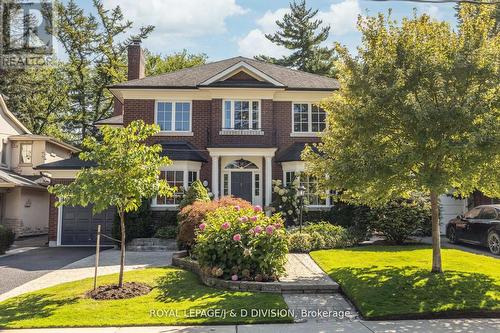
(215, 176)
(268, 182)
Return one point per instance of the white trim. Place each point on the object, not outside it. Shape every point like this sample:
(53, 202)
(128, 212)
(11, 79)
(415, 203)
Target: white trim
(173, 131)
(236, 67)
(240, 132)
(256, 199)
(9, 114)
(309, 132)
(250, 115)
(239, 152)
(59, 225)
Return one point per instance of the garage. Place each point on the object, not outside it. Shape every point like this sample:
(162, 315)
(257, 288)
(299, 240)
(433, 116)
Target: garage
(79, 225)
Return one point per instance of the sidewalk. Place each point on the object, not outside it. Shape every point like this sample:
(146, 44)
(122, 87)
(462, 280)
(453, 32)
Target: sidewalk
(409, 326)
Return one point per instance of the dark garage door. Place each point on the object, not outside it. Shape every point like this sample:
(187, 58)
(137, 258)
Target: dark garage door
(79, 226)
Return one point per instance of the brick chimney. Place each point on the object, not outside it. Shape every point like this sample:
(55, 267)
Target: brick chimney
(135, 60)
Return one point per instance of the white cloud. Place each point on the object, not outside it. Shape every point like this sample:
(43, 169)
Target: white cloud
(342, 17)
(175, 20)
(256, 43)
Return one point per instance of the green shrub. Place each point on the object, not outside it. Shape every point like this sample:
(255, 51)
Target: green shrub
(242, 243)
(138, 224)
(352, 217)
(191, 216)
(299, 242)
(196, 192)
(167, 232)
(285, 201)
(401, 218)
(6, 239)
(318, 236)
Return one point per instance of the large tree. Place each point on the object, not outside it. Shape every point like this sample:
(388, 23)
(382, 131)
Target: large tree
(127, 171)
(418, 110)
(301, 33)
(157, 64)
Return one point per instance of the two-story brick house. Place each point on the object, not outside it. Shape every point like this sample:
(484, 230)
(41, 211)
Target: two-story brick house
(235, 124)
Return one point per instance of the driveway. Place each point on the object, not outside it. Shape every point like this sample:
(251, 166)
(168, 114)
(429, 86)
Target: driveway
(460, 246)
(20, 268)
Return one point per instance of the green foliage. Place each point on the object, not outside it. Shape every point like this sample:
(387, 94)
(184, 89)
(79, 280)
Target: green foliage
(6, 239)
(242, 243)
(353, 217)
(157, 64)
(401, 218)
(196, 192)
(387, 282)
(418, 110)
(190, 217)
(168, 232)
(317, 236)
(299, 32)
(127, 170)
(286, 202)
(138, 224)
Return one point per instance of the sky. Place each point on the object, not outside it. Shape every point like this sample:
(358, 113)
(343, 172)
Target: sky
(227, 28)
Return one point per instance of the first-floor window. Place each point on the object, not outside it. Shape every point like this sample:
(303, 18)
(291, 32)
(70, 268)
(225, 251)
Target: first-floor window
(310, 183)
(192, 177)
(226, 184)
(257, 184)
(173, 178)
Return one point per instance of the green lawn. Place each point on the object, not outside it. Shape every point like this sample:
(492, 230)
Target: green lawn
(395, 281)
(176, 294)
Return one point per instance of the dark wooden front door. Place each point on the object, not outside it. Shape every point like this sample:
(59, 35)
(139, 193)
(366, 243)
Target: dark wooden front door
(241, 185)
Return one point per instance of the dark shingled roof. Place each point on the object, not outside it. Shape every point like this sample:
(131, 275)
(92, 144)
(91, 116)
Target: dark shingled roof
(292, 153)
(189, 78)
(181, 151)
(115, 120)
(73, 163)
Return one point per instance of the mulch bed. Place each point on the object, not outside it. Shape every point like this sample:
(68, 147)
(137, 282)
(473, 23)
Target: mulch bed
(112, 291)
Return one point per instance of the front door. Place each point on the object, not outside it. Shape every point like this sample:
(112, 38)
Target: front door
(241, 185)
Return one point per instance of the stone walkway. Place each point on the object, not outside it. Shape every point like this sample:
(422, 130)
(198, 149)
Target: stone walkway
(318, 299)
(84, 268)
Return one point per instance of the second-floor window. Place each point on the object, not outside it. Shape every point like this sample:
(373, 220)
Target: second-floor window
(241, 115)
(25, 153)
(308, 118)
(173, 116)
(4, 153)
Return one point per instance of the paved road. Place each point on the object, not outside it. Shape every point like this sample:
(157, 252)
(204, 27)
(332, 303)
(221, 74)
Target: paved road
(20, 268)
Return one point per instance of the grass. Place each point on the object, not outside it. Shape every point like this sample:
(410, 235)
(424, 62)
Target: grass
(177, 294)
(394, 282)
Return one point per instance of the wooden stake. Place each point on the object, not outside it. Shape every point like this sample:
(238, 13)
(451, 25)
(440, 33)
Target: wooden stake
(98, 243)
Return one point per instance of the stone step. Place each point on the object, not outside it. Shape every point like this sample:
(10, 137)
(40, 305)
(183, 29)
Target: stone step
(152, 245)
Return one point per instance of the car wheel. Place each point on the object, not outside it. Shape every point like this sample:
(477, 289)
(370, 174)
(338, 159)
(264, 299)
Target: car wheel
(452, 235)
(494, 242)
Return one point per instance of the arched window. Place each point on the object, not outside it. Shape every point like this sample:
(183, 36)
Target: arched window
(241, 164)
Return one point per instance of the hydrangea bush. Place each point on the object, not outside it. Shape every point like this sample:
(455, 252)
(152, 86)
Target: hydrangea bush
(242, 244)
(286, 201)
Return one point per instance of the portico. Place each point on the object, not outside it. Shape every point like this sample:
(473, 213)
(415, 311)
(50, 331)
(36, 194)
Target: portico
(243, 172)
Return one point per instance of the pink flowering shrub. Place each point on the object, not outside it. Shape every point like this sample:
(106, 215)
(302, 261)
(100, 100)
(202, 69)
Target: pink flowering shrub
(242, 243)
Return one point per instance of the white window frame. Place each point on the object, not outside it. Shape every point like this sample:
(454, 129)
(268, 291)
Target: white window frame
(184, 166)
(250, 116)
(298, 167)
(309, 119)
(173, 132)
(4, 152)
(21, 144)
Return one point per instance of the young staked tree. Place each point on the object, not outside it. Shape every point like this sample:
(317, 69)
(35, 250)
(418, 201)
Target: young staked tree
(303, 34)
(418, 110)
(127, 171)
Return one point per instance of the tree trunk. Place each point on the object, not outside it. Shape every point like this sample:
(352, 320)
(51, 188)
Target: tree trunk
(436, 235)
(122, 248)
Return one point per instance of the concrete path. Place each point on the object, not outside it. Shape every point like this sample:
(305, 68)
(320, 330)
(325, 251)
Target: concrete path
(301, 270)
(84, 268)
(346, 326)
(23, 265)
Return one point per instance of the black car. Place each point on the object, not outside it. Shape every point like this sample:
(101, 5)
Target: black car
(480, 226)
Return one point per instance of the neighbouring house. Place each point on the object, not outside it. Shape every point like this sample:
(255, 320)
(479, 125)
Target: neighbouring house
(235, 124)
(23, 190)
